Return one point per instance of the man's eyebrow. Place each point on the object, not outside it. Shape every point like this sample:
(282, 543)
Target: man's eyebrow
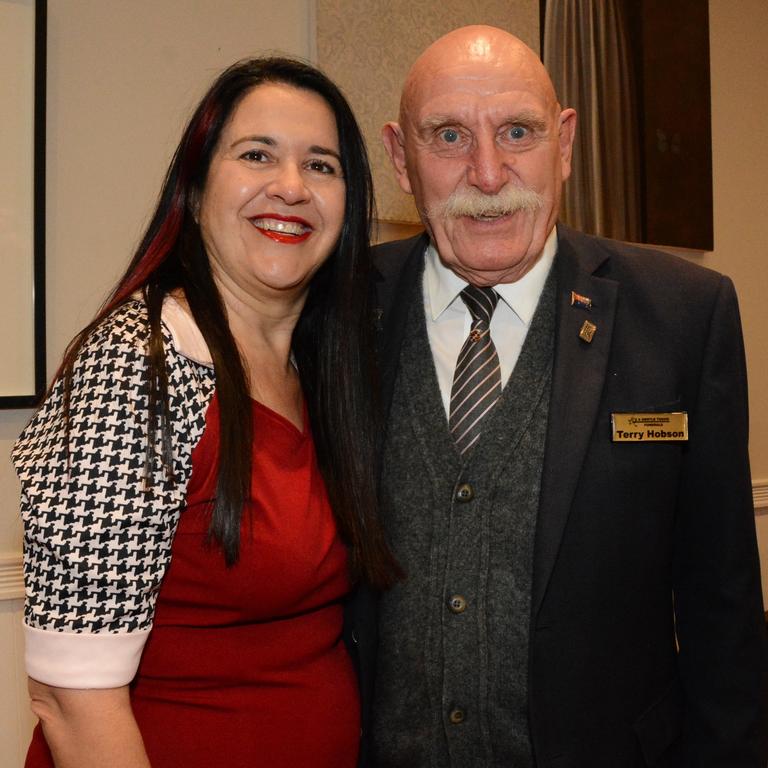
(528, 119)
(437, 121)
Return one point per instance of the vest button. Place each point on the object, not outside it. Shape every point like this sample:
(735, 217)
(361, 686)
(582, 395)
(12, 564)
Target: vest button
(465, 492)
(457, 604)
(457, 716)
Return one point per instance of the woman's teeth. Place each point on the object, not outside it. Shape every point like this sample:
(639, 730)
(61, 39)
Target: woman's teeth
(275, 225)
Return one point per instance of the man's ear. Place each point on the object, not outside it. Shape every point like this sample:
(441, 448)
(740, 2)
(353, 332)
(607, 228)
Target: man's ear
(567, 134)
(394, 143)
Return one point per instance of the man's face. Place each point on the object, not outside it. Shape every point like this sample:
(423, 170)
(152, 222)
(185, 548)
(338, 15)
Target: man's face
(487, 141)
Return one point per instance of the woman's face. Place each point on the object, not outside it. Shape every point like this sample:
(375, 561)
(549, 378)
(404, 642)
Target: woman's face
(273, 204)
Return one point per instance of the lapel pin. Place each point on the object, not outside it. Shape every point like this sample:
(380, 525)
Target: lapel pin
(583, 302)
(587, 332)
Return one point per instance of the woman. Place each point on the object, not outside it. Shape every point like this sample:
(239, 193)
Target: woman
(181, 474)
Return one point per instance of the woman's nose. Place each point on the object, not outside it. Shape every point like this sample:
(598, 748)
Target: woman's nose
(288, 184)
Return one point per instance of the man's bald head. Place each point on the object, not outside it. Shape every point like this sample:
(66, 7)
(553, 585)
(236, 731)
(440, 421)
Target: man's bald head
(474, 45)
(484, 147)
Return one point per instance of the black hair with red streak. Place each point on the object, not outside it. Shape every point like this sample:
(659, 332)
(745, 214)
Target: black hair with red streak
(332, 342)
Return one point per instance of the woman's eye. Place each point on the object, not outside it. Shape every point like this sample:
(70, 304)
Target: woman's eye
(321, 166)
(449, 135)
(255, 156)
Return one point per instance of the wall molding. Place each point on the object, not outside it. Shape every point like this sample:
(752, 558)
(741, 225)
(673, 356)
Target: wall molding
(760, 496)
(11, 578)
(12, 581)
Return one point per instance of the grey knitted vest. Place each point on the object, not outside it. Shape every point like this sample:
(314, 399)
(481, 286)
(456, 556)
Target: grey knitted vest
(451, 685)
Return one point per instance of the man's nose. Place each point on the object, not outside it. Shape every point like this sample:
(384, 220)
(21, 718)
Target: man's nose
(489, 167)
(288, 184)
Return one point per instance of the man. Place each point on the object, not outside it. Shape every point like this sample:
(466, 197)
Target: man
(565, 472)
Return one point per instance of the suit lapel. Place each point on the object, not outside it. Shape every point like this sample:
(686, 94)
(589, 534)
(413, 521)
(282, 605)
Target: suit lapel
(578, 375)
(399, 265)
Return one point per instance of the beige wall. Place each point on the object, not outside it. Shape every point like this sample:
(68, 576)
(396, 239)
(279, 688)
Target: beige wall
(739, 63)
(122, 78)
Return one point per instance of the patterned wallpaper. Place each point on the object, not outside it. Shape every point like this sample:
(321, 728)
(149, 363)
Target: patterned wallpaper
(368, 46)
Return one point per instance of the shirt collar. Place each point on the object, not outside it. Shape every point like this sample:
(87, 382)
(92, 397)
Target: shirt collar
(443, 285)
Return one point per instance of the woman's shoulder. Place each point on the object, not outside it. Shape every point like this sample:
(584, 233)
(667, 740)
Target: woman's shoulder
(109, 387)
(118, 346)
(182, 331)
(126, 327)
(129, 324)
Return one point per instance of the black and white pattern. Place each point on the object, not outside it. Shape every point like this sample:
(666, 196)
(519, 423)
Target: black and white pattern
(97, 537)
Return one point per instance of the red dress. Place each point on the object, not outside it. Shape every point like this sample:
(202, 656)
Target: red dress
(246, 666)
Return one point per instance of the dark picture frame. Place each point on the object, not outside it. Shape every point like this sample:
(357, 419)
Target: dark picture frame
(30, 236)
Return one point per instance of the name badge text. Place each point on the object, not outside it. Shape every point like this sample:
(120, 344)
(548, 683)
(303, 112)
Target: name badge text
(649, 427)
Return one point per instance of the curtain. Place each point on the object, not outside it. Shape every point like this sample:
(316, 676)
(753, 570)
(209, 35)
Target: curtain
(586, 50)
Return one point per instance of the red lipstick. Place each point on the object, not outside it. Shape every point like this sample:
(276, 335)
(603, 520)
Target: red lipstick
(290, 230)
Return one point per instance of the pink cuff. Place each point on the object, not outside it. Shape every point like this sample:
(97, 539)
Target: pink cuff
(83, 660)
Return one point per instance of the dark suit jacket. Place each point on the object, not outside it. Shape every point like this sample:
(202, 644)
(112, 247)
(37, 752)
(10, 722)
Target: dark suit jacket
(638, 544)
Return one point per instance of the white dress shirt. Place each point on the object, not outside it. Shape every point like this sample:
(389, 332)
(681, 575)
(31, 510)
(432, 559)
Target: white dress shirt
(449, 321)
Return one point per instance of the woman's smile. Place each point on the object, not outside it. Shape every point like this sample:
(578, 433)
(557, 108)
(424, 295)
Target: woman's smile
(283, 229)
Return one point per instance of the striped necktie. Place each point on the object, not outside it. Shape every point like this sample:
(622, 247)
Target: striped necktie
(477, 378)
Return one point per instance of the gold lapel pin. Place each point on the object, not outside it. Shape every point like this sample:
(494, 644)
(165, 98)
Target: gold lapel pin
(587, 332)
(583, 302)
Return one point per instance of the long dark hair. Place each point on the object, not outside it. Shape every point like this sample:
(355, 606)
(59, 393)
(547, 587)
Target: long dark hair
(331, 342)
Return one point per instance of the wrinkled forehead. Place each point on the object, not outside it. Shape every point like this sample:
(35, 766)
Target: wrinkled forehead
(475, 87)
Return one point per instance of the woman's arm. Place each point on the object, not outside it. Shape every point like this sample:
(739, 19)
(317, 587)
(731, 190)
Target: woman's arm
(88, 728)
(98, 531)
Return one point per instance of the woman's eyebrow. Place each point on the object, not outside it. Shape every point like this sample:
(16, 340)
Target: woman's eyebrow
(315, 149)
(268, 140)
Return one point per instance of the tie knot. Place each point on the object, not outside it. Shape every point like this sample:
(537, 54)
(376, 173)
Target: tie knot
(480, 302)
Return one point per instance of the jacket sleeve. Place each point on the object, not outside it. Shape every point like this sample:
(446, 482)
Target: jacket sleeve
(98, 524)
(717, 595)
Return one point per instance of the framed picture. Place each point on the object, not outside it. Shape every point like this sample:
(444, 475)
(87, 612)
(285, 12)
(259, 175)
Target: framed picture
(22, 202)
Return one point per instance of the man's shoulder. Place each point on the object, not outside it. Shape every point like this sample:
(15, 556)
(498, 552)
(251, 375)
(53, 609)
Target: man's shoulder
(389, 258)
(630, 262)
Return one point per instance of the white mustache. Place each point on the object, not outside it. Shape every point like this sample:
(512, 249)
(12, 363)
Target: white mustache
(472, 202)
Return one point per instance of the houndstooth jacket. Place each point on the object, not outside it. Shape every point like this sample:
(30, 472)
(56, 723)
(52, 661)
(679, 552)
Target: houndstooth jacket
(98, 522)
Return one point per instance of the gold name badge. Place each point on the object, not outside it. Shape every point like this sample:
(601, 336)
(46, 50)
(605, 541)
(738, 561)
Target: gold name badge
(649, 427)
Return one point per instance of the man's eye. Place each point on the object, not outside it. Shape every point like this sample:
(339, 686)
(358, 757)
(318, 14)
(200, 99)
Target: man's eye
(517, 132)
(449, 135)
